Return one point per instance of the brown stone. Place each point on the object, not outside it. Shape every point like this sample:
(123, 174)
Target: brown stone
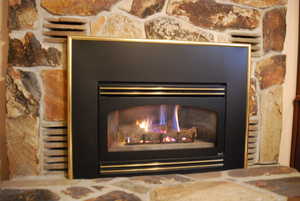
(252, 98)
(271, 124)
(212, 15)
(37, 183)
(77, 192)
(116, 196)
(205, 175)
(271, 71)
(274, 29)
(261, 3)
(261, 171)
(27, 195)
(23, 146)
(22, 94)
(22, 14)
(207, 191)
(4, 171)
(294, 198)
(99, 188)
(77, 7)
(31, 53)
(145, 8)
(285, 186)
(171, 29)
(122, 27)
(160, 179)
(55, 94)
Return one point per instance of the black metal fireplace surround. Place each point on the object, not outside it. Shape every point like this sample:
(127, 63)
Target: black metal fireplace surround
(153, 106)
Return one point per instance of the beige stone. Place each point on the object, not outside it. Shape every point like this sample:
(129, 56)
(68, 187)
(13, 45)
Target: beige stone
(212, 15)
(208, 191)
(97, 25)
(171, 29)
(261, 3)
(23, 146)
(120, 26)
(77, 7)
(55, 95)
(22, 14)
(271, 123)
(132, 186)
(261, 171)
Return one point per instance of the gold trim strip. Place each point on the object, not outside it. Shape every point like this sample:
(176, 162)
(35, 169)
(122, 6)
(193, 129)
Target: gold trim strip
(159, 41)
(160, 163)
(162, 88)
(160, 168)
(160, 93)
(247, 109)
(69, 117)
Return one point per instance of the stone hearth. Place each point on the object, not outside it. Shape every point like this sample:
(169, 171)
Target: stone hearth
(268, 183)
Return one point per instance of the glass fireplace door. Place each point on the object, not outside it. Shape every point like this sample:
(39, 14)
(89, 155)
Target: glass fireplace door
(160, 123)
(161, 127)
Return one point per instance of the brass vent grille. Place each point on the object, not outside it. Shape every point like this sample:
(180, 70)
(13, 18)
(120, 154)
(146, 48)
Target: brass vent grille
(252, 141)
(55, 148)
(160, 166)
(161, 91)
(254, 39)
(56, 30)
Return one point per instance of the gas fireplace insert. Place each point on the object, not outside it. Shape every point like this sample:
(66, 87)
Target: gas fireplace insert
(149, 106)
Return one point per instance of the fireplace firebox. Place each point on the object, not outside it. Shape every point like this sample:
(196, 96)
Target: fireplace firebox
(143, 106)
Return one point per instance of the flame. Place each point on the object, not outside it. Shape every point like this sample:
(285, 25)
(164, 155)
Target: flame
(169, 139)
(175, 119)
(144, 124)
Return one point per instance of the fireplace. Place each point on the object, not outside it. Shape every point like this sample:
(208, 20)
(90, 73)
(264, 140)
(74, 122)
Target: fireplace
(163, 106)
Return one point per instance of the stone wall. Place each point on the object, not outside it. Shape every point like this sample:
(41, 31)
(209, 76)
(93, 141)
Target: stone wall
(36, 81)
(3, 63)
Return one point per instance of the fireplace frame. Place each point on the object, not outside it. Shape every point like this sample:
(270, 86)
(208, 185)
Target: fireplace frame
(71, 164)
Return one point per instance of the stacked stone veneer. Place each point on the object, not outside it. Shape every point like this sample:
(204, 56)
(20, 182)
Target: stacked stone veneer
(36, 77)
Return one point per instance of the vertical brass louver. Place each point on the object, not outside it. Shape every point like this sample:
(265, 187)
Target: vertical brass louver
(252, 141)
(55, 148)
(254, 39)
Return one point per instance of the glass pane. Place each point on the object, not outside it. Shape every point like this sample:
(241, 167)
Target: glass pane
(161, 127)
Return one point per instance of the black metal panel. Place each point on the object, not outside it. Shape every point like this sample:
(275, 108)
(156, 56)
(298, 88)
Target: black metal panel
(109, 61)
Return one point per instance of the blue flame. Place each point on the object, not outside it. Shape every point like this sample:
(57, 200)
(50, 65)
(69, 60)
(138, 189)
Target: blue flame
(163, 115)
(175, 123)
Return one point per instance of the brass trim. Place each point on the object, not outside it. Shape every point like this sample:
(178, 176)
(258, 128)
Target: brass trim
(158, 41)
(160, 163)
(160, 93)
(247, 109)
(69, 116)
(162, 88)
(160, 168)
(69, 52)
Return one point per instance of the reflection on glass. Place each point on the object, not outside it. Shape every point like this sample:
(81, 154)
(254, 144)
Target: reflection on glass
(161, 127)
